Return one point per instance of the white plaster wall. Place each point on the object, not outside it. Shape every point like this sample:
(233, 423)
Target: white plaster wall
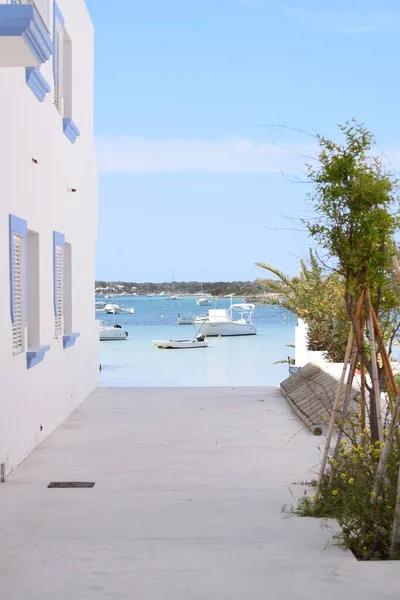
(300, 339)
(47, 393)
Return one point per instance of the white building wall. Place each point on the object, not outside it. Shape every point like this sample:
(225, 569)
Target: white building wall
(33, 402)
(302, 354)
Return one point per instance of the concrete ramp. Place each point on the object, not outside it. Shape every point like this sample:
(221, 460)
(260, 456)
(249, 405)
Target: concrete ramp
(311, 392)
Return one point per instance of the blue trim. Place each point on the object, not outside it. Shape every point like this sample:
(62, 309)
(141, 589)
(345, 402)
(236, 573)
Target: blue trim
(58, 240)
(34, 356)
(37, 82)
(71, 130)
(70, 339)
(20, 227)
(23, 20)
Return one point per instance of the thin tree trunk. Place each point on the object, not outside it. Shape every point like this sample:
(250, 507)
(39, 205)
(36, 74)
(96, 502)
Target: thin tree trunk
(375, 409)
(335, 411)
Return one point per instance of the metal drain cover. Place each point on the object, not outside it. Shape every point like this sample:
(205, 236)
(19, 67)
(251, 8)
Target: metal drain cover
(71, 484)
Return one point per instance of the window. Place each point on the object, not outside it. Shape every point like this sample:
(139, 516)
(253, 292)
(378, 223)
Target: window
(67, 288)
(58, 64)
(67, 52)
(58, 259)
(18, 234)
(33, 312)
(18, 293)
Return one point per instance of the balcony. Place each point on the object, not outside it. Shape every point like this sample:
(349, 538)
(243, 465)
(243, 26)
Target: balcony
(24, 37)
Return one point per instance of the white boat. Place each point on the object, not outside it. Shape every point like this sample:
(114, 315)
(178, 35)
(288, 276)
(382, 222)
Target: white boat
(222, 322)
(185, 320)
(112, 309)
(180, 344)
(204, 301)
(111, 332)
(115, 309)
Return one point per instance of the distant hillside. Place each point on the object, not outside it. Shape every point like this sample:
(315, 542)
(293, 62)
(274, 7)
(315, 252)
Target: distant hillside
(215, 288)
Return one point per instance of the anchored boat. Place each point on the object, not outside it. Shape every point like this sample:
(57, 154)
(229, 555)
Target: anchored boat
(199, 342)
(236, 320)
(111, 332)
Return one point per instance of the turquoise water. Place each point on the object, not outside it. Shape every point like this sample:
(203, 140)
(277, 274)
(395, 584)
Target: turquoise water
(228, 361)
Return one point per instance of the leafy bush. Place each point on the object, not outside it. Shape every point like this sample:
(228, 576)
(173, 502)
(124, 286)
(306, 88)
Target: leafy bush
(346, 494)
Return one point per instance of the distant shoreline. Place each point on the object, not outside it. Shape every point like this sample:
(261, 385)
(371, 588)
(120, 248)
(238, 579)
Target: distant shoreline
(221, 289)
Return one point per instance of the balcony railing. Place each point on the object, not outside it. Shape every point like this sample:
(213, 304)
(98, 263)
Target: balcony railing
(42, 7)
(25, 39)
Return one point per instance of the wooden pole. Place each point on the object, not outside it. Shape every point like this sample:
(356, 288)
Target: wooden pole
(385, 357)
(375, 377)
(395, 545)
(380, 470)
(335, 411)
(349, 387)
(363, 419)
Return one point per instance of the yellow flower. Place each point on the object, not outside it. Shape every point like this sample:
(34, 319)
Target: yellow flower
(372, 494)
(365, 430)
(343, 476)
(351, 480)
(344, 443)
(314, 497)
(382, 444)
(362, 455)
(333, 462)
(346, 453)
(377, 443)
(380, 498)
(335, 493)
(324, 418)
(389, 507)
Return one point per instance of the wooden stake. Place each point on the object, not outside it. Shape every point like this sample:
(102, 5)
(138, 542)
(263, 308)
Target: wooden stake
(375, 377)
(380, 470)
(385, 357)
(395, 545)
(349, 387)
(335, 411)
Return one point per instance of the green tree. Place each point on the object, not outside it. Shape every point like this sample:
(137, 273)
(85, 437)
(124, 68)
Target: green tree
(357, 215)
(317, 297)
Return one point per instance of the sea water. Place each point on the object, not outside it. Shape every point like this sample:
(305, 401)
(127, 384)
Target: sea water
(227, 361)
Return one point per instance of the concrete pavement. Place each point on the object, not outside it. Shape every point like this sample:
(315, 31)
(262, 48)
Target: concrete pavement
(187, 505)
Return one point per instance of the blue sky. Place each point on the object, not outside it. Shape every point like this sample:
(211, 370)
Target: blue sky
(195, 168)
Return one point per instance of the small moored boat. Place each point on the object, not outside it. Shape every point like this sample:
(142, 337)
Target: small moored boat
(111, 332)
(204, 302)
(185, 320)
(200, 342)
